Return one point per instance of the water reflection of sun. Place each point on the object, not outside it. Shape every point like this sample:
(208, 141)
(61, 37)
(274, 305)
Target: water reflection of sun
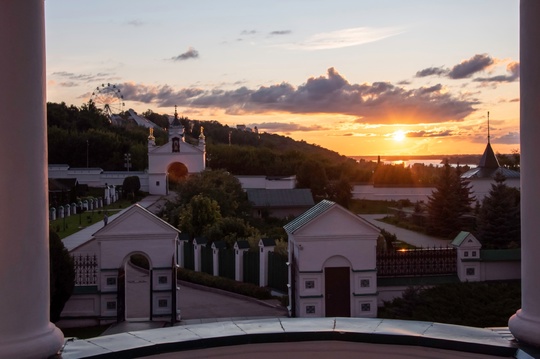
(398, 136)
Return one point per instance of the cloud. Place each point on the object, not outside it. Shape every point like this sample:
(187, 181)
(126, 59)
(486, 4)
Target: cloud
(344, 38)
(286, 127)
(469, 67)
(135, 22)
(248, 32)
(379, 102)
(191, 53)
(431, 71)
(445, 133)
(85, 78)
(281, 32)
(513, 75)
(511, 138)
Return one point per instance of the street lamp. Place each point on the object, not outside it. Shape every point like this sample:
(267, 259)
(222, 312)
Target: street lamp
(127, 159)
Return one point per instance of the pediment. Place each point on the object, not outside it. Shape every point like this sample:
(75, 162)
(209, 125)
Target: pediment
(167, 148)
(137, 221)
(338, 222)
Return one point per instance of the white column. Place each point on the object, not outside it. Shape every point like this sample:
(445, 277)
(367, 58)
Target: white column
(25, 329)
(525, 324)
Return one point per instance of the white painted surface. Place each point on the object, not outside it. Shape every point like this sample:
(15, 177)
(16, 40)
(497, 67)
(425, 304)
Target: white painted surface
(25, 330)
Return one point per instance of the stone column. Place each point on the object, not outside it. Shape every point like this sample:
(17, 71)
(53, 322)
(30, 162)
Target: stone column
(25, 329)
(525, 324)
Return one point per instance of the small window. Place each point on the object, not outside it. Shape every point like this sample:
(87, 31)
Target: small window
(310, 309)
(157, 183)
(470, 271)
(366, 307)
(163, 303)
(466, 254)
(111, 305)
(364, 283)
(162, 279)
(310, 284)
(474, 253)
(111, 280)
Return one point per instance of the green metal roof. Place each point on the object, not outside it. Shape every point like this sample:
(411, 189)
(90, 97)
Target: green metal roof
(308, 216)
(500, 255)
(300, 197)
(460, 238)
(416, 281)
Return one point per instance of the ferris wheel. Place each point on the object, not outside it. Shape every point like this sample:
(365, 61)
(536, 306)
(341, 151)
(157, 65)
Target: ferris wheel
(109, 99)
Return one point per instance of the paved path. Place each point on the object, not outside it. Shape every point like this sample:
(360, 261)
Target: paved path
(414, 238)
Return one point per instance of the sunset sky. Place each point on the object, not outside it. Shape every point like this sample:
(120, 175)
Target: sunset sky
(361, 77)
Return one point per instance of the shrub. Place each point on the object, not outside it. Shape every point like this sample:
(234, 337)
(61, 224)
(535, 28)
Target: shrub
(230, 285)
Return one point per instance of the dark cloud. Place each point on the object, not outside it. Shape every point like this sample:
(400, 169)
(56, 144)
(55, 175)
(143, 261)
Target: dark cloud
(285, 127)
(136, 22)
(380, 102)
(469, 67)
(431, 71)
(281, 32)
(248, 32)
(86, 78)
(191, 53)
(429, 133)
(68, 84)
(511, 138)
(513, 75)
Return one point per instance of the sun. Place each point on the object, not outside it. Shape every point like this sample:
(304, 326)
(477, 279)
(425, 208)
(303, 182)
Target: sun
(398, 136)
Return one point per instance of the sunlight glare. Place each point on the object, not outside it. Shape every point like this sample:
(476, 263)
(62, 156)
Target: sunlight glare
(399, 136)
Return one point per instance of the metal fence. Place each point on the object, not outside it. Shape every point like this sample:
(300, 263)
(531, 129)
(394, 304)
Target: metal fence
(417, 262)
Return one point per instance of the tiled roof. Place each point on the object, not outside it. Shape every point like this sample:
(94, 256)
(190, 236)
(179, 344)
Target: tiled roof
(280, 197)
(488, 167)
(308, 216)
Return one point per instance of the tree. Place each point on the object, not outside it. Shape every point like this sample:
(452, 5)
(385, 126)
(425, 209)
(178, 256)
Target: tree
(200, 213)
(341, 191)
(219, 185)
(230, 229)
(450, 201)
(499, 223)
(132, 185)
(62, 275)
(311, 174)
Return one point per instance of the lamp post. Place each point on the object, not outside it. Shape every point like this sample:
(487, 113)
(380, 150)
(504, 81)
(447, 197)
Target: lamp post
(127, 159)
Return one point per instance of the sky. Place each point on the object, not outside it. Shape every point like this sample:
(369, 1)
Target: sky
(360, 77)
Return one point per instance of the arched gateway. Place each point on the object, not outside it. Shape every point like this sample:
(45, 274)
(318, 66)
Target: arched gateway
(174, 160)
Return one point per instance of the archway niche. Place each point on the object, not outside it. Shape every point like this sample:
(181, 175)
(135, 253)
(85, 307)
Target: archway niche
(177, 172)
(135, 277)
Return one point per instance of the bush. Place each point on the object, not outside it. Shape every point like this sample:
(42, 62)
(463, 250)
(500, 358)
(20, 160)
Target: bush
(230, 285)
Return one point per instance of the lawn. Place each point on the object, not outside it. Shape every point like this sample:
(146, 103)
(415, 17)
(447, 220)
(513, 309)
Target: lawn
(68, 225)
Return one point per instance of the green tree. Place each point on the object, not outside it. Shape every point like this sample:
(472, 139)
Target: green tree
(230, 229)
(200, 213)
(499, 223)
(447, 205)
(311, 174)
(62, 275)
(131, 186)
(340, 191)
(219, 185)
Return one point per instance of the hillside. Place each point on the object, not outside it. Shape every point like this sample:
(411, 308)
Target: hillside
(83, 137)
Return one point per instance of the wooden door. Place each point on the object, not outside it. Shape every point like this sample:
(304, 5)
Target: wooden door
(337, 292)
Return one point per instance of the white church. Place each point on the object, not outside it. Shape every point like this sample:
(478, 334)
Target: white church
(173, 160)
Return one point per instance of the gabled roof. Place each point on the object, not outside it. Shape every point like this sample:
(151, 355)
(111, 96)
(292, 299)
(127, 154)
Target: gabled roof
(308, 216)
(219, 245)
(271, 198)
(136, 220)
(267, 242)
(465, 237)
(241, 245)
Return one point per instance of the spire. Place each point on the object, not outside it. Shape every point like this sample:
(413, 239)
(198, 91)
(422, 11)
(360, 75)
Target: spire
(488, 126)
